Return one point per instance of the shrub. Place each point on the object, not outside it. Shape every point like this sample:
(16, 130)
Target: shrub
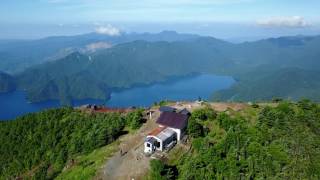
(195, 129)
(135, 119)
(204, 114)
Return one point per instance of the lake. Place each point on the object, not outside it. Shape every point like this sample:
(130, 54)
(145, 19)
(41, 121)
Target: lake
(188, 88)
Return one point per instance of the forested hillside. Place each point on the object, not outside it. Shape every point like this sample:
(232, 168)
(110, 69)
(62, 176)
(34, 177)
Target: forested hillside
(17, 55)
(289, 83)
(80, 76)
(262, 141)
(39, 145)
(287, 67)
(273, 142)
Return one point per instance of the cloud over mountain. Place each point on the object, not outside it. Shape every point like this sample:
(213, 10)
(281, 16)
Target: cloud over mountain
(96, 46)
(108, 30)
(287, 22)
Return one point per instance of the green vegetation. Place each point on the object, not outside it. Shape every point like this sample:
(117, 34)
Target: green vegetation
(138, 62)
(40, 145)
(280, 142)
(162, 103)
(161, 171)
(263, 69)
(86, 166)
(198, 116)
(288, 83)
(134, 119)
(17, 55)
(203, 114)
(64, 80)
(262, 141)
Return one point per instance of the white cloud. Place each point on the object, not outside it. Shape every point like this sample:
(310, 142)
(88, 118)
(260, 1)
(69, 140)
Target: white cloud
(96, 46)
(108, 30)
(288, 22)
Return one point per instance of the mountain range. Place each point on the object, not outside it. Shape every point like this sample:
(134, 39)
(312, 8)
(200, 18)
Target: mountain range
(17, 55)
(93, 65)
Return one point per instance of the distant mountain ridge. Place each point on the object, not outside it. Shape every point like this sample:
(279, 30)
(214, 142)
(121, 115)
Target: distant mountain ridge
(79, 76)
(258, 66)
(17, 55)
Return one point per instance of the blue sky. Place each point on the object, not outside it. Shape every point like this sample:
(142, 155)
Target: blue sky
(222, 18)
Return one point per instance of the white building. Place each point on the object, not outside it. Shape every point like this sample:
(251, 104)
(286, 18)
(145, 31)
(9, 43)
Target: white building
(172, 127)
(160, 139)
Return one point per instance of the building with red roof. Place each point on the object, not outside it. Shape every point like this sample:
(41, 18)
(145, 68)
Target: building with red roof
(172, 127)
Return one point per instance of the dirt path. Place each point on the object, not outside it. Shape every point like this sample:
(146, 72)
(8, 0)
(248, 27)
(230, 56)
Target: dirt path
(218, 106)
(132, 164)
(226, 106)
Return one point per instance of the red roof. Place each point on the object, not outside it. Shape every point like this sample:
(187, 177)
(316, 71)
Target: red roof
(156, 131)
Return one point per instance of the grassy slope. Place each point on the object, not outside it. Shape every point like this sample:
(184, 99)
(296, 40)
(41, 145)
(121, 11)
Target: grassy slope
(87, 166)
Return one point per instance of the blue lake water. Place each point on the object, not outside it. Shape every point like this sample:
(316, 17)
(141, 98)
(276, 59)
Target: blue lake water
(189, 88)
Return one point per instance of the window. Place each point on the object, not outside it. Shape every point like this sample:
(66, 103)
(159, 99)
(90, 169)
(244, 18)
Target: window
(148, 145)
(157, 144)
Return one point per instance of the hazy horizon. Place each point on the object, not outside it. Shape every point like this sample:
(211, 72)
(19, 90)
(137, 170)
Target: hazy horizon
(224, 19)
(242, 34)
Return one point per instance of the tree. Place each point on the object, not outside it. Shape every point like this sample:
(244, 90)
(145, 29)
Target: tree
(203, 114)
(195, 129)
(48, 139)
(157, 168)
(135, 119)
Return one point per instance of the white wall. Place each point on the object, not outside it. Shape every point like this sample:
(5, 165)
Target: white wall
(159, 140)
(178, 131)
(147, 149)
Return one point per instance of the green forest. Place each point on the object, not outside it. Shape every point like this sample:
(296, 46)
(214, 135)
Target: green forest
(38, 145)
(285, 67)
(272, 142)
(262, 141)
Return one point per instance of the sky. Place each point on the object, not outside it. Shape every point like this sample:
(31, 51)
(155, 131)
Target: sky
(228, 19)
